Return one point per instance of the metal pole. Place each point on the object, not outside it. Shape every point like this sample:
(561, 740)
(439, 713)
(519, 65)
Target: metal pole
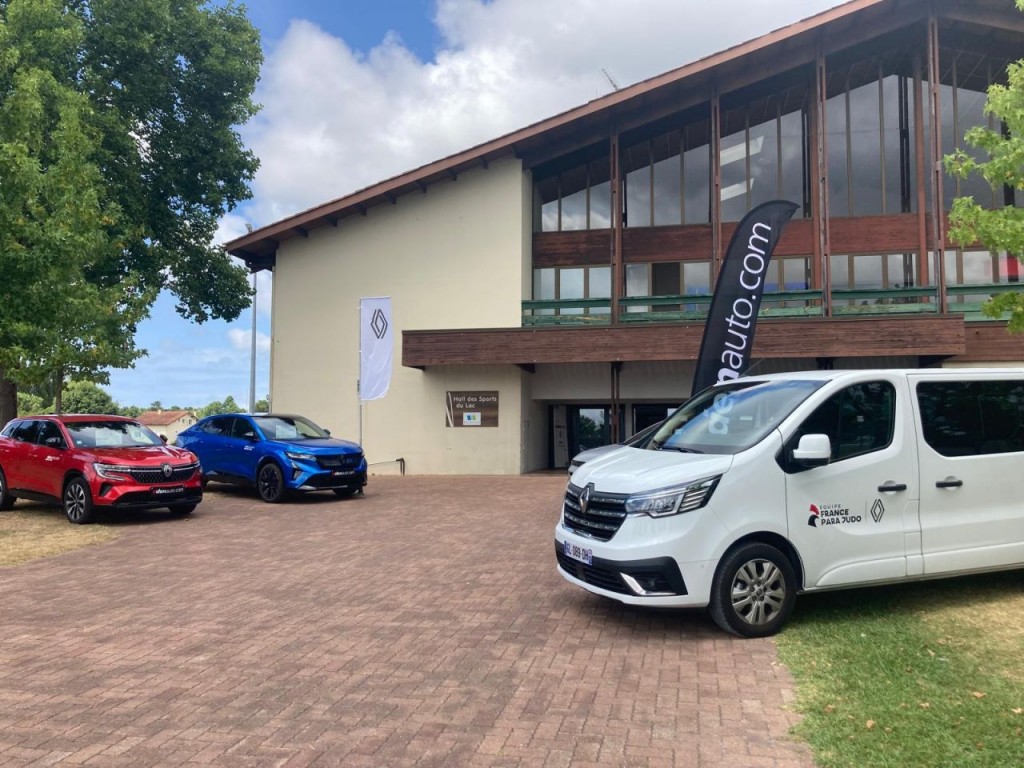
(252, 357)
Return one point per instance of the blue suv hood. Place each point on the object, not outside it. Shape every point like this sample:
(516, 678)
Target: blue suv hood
(319, 445)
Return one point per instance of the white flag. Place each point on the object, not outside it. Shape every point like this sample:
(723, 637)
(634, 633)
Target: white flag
(375, 348)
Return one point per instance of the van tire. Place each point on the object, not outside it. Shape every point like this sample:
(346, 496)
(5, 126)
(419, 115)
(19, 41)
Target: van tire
(754, 590)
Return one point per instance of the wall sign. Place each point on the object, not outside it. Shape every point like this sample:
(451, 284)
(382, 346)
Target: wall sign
(471, 409)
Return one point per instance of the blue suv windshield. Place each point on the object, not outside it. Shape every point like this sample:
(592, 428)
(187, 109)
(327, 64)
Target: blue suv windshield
(289, 428)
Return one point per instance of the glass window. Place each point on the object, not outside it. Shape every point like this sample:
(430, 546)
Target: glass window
(571, 286)
(111, 434)
(545, 192)
(764, 162)
(638, 283)
(667, 192)
(25, 432)
(573, 184)
(838, 168)
(857, 420)
(48, 430)
(733, 158)
(599, 287)
(697, 183)
(544, 288)
(971, 418)
(600, 195)
(638, 197)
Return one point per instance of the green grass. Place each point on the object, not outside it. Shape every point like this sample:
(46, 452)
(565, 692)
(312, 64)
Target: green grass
(928, 674)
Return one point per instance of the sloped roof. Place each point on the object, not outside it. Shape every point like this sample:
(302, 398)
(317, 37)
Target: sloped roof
(161, 418)
(841, 26)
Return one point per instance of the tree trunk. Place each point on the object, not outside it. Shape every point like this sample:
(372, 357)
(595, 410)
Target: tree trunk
(8, 399)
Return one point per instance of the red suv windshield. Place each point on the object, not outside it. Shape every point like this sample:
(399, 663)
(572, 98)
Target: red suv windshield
(110, 434)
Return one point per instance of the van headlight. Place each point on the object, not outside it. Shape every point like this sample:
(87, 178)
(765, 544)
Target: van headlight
(674, 500)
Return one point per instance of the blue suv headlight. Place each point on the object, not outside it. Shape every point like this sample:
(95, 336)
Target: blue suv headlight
(296, 456)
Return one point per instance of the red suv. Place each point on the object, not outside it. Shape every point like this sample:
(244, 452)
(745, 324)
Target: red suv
(89, 462)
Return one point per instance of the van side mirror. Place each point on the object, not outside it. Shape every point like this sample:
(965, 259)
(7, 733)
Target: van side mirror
(813, 451)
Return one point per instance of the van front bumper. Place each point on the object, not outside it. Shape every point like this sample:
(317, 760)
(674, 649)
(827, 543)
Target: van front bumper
(647, 562)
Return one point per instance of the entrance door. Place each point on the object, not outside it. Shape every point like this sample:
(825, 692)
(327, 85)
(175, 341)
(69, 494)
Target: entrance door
(590, 427)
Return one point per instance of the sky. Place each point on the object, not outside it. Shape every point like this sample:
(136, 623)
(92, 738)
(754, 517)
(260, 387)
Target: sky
(354, 92)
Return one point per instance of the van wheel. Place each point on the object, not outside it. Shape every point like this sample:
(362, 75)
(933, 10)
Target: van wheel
(754, 591)
(78, 501)
(270, 483)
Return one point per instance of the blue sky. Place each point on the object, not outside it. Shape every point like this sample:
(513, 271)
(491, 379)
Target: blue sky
(353, 92)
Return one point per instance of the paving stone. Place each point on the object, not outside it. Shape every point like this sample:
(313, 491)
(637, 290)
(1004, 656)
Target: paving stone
(422, 624)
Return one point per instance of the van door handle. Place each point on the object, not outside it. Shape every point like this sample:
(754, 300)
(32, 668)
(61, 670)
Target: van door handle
(892, 487)
(954, 483)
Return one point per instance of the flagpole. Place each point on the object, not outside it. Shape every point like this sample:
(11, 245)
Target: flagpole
(359, 378)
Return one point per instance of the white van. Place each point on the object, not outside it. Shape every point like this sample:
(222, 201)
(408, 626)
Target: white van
(764, 487)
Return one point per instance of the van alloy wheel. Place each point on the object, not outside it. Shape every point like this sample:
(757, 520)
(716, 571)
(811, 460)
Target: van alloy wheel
(754, 590)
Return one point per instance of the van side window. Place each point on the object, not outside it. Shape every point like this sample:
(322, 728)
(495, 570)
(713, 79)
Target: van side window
(972, 418)
(858, 420)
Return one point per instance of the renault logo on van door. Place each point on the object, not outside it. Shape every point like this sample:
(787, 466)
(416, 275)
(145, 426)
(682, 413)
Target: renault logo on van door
(877, 510)
(585, 498)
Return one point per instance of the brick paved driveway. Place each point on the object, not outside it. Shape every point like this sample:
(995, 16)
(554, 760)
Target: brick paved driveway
(421, 625)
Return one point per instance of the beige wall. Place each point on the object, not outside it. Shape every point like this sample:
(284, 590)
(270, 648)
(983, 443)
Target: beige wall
(455, 257)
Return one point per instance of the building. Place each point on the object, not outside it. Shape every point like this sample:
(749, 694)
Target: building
(167, 424)
(561, 274)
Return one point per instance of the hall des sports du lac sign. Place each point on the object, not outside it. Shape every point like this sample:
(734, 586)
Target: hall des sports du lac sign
(471, 409)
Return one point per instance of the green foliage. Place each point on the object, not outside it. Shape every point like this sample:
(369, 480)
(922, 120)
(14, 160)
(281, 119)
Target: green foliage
(262, 406)
(29, 404)
(1001, 229)
(87, 397)
(227, 405)
(132, 411)
(118, 155)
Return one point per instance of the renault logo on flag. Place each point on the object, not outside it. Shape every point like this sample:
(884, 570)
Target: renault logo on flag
(379, 324)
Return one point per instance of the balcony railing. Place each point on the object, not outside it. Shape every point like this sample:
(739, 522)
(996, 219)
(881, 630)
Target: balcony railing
(962, 299)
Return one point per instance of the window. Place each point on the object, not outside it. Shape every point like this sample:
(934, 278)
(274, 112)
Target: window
(972, 418)
(858, 420)
(553, 283)
(48, 430)
(25, 431)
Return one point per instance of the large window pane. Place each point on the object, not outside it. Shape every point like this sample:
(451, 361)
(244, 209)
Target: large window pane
(638, 197)
(734, 175)
(793, 161)
(865, 150)
(600, 195)
(543, 288)
(600, 279)
(571, 286)
(667, 191)
(697, 184)
(764, 162)
(637, 284)
(838, 170)
(545, 193)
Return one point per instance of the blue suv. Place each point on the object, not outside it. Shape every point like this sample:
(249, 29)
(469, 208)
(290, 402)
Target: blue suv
(277, 453)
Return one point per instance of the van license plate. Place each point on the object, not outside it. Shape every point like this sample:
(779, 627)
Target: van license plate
(576, 552)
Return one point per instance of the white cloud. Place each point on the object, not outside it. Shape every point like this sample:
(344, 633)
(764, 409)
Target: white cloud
(242, 340)
(334, 121)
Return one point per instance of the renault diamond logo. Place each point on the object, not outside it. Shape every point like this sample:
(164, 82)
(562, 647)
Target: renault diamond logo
(379, 324)
(585, 498)
(877, 510)
(166, 468)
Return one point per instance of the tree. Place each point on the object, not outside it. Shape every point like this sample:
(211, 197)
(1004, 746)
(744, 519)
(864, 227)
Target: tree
(29, 404)
(262, 406)
(1001, 228)
(118, 153)
(227, 405)
(87, 397)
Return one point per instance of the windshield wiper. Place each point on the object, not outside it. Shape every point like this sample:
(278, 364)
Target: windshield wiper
(680, 449)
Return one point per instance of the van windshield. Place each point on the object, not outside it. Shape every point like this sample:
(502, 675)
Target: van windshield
(731, 418)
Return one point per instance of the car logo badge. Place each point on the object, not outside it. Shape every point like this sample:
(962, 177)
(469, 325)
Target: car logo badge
(585, 498)
(877, 510)
(167, 470)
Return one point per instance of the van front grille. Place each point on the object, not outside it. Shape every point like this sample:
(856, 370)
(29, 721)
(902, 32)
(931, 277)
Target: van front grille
(599, 518)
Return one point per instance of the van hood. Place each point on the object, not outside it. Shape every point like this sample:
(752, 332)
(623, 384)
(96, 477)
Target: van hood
(632, 470)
